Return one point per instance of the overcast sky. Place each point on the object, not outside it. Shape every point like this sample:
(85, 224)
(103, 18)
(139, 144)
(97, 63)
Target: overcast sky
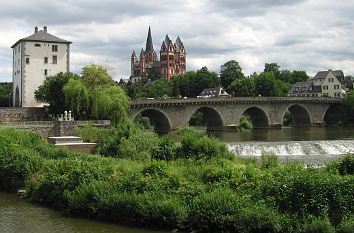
(306, 35)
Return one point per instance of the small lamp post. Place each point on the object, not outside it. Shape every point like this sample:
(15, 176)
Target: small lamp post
(9, 99)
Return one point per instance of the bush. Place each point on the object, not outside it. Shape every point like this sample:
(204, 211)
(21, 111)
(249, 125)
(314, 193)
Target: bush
(346, 166)
(166, 149)
(346, 226)
(244, 124)
(223, 211)
(203, 147)
(17, 164)
(94, 134)
(269, 160)
(318, 225)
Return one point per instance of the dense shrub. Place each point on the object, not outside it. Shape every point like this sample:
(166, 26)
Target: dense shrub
(203, 147)
(317, 225)
(269, 160)
(346, 226)
(94, 134)
(346, 166)
(244, 124)
(223, 211)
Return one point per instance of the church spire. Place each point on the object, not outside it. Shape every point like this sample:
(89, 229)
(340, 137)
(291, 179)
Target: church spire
(149, 45)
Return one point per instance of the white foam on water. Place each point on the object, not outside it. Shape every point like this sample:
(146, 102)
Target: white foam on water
(295, 149)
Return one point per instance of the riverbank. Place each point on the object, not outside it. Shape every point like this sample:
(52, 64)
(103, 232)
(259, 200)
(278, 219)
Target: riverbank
(194, 186)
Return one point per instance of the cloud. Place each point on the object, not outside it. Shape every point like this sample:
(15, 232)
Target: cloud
(298, 34)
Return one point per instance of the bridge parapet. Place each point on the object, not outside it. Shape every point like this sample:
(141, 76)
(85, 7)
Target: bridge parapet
(233, 100)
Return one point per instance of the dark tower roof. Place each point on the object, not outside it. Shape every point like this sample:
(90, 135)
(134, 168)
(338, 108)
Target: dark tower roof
(179, 43)
(133, 54)
(42, 36)
(167, 41)
(149, 45)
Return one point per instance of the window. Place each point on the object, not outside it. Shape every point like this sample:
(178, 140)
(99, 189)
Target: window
(325, 87)
(330, 80)
(55, 59)
(37, 45)
(54, 48)
(45, 72)
(336, 86)
(45, 60)
(27, 60)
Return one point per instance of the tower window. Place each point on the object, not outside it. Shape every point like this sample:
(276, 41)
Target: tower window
(37, 45)
(54, 48)
(45, 72)
(45, 60)
(27, 60)
(55, 59)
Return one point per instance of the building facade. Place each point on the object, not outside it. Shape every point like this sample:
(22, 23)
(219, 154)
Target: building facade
(34, 58)
(172, 59)
(324, 83)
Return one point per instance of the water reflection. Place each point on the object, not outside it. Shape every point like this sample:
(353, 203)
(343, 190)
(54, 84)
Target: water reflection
(19, 216)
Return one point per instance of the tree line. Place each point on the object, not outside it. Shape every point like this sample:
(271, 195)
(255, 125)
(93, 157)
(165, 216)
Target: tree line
(271, 82)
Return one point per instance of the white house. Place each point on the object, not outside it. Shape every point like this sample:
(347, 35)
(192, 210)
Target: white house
(325, 83)
(34, 58)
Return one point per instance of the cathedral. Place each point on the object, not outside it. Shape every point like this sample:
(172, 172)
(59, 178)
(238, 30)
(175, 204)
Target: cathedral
(172, 59)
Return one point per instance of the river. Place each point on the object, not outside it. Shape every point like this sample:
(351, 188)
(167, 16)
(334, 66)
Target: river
(19, 216)
(312, 145)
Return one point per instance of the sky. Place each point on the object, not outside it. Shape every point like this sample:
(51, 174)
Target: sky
(308, 35)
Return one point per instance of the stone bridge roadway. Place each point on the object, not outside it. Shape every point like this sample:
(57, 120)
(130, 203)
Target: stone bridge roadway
(169, 114)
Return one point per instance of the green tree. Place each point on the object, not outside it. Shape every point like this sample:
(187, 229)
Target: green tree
(5, 94)
(299, 76)
(94, 75)
(243, 87)
(159, 88)
(51, 92)
(272, 67)
(230, 72)
(96, 96)
(266, 84)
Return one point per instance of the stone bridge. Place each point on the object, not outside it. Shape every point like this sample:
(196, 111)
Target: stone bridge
(265, 112)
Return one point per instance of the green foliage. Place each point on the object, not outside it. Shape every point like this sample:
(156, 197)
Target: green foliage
(272, 67)
(346, 226)
(269, 160)
(142, 121)
(51, 91)
(230, 72)
(202, 193)
(197, 119)
(223, 211)
(96, 96)
(5, 94)
(202, 148)
(191, 84)
(288, 119)
(159, 88)
(318, 225)
(268, 85)
(244, 124)
(94, 134)
(346, 166)
(244, 87)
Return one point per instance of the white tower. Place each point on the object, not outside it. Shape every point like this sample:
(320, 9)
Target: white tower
(34, 58)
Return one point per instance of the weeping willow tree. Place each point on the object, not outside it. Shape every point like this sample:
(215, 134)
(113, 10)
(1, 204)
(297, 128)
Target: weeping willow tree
(95, 95)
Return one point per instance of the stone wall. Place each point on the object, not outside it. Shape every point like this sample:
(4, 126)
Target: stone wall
(22, 114)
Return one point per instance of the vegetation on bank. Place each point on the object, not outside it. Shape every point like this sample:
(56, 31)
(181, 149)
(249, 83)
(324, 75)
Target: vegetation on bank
(195, 185)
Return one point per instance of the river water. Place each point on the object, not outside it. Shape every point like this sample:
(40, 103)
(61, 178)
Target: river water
(314, 145)
(19, 216)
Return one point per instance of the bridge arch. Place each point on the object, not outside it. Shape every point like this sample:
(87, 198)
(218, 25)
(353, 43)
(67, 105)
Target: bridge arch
(334, 113)
(258, 117)
(300, 114)
(161, 122)
(212, 117)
